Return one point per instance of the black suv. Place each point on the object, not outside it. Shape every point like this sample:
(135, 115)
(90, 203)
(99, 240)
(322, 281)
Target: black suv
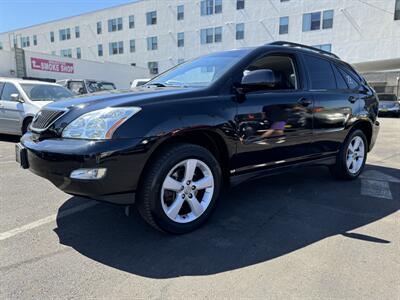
(171, 145)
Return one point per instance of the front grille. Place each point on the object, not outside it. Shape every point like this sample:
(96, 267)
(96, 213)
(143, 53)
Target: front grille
(45, 118)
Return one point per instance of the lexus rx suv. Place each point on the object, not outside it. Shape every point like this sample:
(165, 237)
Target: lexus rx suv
(170, 146)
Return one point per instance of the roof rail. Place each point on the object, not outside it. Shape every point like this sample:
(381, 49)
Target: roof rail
(296, 45)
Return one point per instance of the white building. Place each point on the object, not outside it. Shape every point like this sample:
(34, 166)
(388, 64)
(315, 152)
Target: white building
(157, 34)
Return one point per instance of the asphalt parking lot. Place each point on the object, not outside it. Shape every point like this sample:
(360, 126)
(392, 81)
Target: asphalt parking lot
(296, 235)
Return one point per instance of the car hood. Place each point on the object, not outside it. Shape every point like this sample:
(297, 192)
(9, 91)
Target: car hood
(115, 98)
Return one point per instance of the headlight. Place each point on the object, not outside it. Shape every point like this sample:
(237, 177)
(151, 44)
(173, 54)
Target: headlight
(99, 124)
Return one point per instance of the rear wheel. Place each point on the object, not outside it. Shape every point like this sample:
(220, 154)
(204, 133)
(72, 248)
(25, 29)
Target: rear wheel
(180, 188)
(352, 157)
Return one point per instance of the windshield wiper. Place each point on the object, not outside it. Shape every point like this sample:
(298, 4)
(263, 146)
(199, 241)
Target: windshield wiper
(157, 84)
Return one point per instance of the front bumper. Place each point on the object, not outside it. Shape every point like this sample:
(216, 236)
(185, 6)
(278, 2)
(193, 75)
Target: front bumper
(55, 159)
(394, 110)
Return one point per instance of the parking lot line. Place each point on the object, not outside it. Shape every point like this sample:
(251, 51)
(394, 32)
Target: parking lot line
(46, 220)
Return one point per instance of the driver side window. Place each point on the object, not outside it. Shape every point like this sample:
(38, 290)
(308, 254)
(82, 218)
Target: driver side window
(283, 68)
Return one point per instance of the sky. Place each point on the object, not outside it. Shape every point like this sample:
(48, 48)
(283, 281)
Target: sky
(16, 14)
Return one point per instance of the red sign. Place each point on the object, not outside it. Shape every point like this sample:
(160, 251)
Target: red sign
(51, 65)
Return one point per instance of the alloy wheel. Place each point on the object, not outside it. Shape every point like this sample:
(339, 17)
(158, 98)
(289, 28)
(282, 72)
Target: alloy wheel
(187, 191)
(355, 155)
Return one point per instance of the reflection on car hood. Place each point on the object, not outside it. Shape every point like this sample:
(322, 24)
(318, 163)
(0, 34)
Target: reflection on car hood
(42, 103)
(131, 97)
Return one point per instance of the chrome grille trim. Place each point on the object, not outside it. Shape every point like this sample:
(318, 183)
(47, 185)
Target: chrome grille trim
(45, 118)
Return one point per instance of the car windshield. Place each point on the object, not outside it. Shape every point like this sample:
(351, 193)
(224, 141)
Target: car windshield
(95, 86)
(387, 97)
(45, 92)
(199, 72)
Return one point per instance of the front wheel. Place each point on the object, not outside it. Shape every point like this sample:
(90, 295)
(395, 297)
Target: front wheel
(351, 158)
(179, 189)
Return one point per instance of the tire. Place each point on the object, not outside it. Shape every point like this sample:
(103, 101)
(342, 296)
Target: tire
(350, 163)
(25, 125)
(155, 201)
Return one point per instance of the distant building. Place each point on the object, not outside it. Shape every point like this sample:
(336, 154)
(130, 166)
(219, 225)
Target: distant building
(158, 34)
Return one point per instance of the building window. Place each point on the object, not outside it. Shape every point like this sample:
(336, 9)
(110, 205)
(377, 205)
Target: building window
(153, 67)
(211, 35)
(180, 12)
(239, 4)
(152, 43)
(34, 40)
(151, 18)
(116, 48)
(218, 34)
(131, 21)
(99, 27)
(78, 53)
(327, 19)
(132, 46)
(1, 46)
(284, 0)
(240, 31)
(325, 47)
(53, 52)
(65, 34)
(66, 52)
(283, 25)
(209, 7)
(77, 32)
(115, 25)
(397, 10)
(52, 36)
(100, 50)
(312, 21)
(218, 6)
(181, 39)
(25, 41)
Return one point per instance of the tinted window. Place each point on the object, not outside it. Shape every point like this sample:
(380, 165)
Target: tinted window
(320, 72)
(340, 82)
(350, 79)
(8, 90)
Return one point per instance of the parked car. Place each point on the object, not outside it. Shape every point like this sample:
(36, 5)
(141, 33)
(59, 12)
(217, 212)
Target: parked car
(172, 144)
(86, 86)
(389, 105)
(139, 82)
(21, 99)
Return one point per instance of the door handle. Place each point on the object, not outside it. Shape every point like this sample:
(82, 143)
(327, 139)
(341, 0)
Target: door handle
(304, 101)
(352, 99)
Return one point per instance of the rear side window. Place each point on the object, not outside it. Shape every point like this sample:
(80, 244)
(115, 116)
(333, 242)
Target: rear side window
(340, 81)
(320, 72)
(350, 79)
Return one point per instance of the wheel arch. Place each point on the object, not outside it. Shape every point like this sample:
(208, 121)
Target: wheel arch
(207, 138)
(366, 128)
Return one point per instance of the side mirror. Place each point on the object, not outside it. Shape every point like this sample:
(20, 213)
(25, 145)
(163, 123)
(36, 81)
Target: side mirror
(259, 79)
(17, 98)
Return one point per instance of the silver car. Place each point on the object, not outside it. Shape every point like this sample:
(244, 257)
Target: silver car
(21, 99)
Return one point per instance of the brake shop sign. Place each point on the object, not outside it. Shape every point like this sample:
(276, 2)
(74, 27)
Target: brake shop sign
(51, 65)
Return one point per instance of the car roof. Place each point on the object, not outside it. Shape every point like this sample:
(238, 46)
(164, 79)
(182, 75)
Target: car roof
(20, 80)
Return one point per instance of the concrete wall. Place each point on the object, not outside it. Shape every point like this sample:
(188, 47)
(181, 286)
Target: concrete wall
(7, 63)
(362, 31)
(120, 74)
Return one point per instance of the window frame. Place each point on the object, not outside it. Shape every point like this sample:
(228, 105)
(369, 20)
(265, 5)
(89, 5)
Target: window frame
(296, 63)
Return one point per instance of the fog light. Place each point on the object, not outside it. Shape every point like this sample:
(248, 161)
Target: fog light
(88, 173)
